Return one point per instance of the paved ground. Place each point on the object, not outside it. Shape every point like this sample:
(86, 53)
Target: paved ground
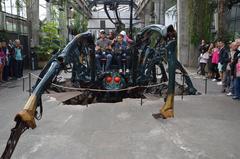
(204, 127)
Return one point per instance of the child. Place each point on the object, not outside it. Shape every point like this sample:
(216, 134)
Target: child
(203, 61)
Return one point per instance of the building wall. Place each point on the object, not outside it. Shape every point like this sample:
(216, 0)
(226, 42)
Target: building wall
(12, 23)
(12, 28)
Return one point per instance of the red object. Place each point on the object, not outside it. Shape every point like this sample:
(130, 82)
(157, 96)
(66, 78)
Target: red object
(108, 79)
(117, 79)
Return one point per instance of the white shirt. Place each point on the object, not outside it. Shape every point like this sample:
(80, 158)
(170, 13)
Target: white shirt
(204, 57)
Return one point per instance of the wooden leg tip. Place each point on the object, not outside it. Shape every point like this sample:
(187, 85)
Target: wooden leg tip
(158, 115)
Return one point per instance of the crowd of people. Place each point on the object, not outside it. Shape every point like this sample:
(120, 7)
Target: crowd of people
(223, 65)
(113, 47)
(11, 60)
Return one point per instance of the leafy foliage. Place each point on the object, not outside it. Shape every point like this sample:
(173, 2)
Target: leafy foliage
(79, 24)
(49, 41)
(200, 20)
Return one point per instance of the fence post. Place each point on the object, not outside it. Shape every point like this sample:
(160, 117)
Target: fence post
(23, 84)
(182, 85)
(205, 85)
(30, 84)
(141, 98)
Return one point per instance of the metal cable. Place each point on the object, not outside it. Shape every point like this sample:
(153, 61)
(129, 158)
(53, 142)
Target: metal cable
(101, 90)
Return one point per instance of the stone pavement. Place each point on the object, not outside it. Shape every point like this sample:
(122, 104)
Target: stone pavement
(204, 127)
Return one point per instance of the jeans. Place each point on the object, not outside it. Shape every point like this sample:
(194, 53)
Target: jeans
(237, 87)
(100, 56)
(224, 81)
(5, 72)
(232, 85)
(215, 71)
(19, 68)
(12, 66)
(228, 79)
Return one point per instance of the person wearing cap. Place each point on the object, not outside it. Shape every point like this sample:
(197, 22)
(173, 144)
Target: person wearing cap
(103, 50)
(125, 37)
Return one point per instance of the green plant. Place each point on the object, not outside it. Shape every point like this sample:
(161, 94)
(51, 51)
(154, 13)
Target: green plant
(49, 40)
(79, 24)
(200, 20)
(236, 35)
(135, 31)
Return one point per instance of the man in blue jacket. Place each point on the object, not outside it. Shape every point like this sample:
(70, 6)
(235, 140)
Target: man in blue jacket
(222, 65)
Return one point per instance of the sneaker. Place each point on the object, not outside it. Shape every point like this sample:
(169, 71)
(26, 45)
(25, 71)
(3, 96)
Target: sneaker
(235, 98)
(230, 94)
(19, 79)
(127, 71)
(214, 80)
(120, 70)
(220, 83)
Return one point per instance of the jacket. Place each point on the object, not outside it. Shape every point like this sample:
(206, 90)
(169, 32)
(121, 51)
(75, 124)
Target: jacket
(233, 64)
(223, 58)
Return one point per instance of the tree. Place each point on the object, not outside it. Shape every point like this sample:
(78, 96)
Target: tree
(32, 7)
(221, 19)
(200, 20)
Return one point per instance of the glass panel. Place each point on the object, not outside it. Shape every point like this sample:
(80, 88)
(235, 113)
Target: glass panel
(14, 8)
(15, 24)
(9, 25)
(102, 24)
(237, 24)
(1, 21)
(24, 11)
(231, 26)
(14, 27)
(42, 10)
(8, 6)
(20, 26)
(3, 6)
(25, 29)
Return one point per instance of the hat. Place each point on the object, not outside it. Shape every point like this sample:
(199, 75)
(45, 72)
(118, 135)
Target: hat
(123, 33)
(102, 31)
